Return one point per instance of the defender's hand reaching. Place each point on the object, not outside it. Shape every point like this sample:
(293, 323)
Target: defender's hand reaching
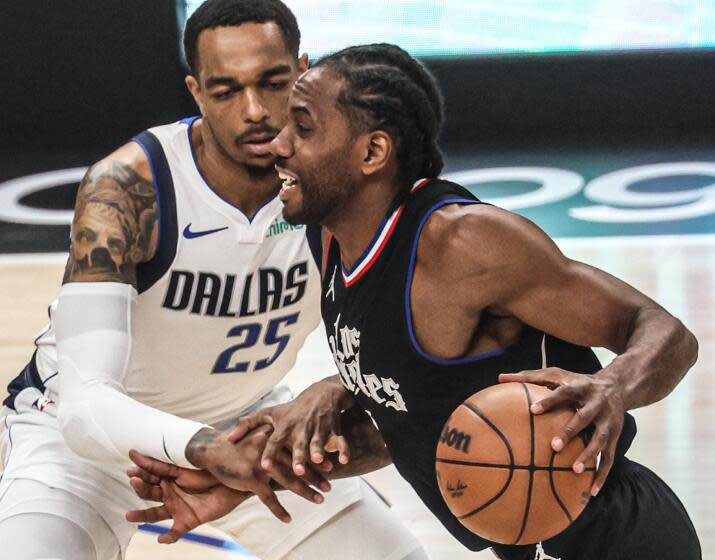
(191, 498)
(305, 425)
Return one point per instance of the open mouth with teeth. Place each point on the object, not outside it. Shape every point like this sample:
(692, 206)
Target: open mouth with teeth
(289, 183)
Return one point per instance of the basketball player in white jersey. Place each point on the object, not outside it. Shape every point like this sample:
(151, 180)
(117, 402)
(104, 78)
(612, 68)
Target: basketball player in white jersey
(185, 300)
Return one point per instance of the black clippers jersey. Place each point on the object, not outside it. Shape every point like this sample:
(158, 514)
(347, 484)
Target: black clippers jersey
(409, 393)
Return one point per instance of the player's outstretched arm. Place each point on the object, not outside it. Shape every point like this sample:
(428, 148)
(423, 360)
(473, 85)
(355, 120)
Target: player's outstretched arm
(114, 229)
(504, 265)
(193, 497)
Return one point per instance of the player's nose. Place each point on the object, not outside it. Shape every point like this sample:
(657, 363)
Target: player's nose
(281, 145)
(255, 111)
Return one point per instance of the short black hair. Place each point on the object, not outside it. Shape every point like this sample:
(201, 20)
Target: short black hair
(387, 89)
(228, 13)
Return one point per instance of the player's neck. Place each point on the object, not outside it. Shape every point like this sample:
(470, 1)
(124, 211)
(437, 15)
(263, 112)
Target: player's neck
(246, 188)
(355, 225)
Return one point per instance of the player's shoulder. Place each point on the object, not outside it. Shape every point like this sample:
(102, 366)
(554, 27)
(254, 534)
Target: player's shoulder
(460, 235)
(454, 226)
(128, 163)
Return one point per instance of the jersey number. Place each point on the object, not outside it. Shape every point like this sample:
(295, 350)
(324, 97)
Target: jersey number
(251, 332)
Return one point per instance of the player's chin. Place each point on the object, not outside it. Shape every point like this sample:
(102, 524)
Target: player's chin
(263, 161)
(293, 211)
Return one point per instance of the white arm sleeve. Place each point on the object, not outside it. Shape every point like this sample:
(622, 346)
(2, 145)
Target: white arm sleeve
(97, 419)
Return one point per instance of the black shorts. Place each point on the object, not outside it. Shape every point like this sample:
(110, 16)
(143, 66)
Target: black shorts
(636, 516)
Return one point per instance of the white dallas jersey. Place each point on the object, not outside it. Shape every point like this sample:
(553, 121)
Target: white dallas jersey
(223, 306)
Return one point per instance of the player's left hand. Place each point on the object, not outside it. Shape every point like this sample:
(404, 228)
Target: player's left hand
(151, 471)
(187, 510)
(596, 399)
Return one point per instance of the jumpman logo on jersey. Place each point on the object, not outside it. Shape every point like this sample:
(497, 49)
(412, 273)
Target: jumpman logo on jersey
(331, 287)
(541, 555)
(188, 234)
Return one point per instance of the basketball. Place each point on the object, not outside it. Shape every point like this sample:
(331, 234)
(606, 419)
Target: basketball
(497, 472)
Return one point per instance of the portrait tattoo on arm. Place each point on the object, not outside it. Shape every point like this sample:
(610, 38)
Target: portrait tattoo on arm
(114, 225)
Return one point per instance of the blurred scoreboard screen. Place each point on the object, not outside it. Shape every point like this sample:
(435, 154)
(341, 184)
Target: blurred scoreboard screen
(478, 27)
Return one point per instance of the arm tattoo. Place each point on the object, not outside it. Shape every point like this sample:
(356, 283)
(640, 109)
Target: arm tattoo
(227, 472)
(198, 444)
(114, 225)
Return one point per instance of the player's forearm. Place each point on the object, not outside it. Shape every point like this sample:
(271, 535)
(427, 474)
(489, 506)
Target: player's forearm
(659, 352)
(103, 424)
(97, 419)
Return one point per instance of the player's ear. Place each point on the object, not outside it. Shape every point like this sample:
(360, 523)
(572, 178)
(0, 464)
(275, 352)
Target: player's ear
(376, 152)
(303, 63)
(195, 89)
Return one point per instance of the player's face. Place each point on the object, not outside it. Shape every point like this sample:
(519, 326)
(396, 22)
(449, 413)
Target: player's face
(245, 74)
(99, 241)
(316, 154)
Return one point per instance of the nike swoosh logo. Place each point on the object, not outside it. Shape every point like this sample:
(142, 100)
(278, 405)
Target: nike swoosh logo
(194, 234)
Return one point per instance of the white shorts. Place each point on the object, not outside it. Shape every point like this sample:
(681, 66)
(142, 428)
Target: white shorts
(35, 450)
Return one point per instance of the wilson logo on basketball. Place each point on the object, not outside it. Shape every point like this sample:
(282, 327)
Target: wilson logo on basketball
(454, 438)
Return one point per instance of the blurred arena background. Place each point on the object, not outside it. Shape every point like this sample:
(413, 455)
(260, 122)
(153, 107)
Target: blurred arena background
(593, 118)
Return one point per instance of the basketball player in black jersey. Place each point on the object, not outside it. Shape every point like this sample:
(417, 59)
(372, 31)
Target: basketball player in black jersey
(430, 295)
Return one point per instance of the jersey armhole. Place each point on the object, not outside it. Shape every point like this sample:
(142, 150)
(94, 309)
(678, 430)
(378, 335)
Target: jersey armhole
(149, 272)
(313, 232)
(408, 289)
(319, 242)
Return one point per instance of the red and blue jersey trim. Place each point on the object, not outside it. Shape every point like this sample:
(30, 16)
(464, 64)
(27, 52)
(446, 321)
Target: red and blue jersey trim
(378, 243)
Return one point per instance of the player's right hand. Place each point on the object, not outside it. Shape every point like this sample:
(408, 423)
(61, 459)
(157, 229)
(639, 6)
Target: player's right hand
(238, 466)
(310, 426)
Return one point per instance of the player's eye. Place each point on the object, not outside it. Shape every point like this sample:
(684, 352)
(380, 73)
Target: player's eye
(86, 234)
(277, 86)
(116, 246)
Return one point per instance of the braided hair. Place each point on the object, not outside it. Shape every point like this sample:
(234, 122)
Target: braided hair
(386, 89)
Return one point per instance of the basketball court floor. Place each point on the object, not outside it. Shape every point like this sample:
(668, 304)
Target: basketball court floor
(676, 437)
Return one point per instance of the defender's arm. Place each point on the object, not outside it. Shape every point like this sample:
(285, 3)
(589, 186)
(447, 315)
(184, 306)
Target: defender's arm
(114, 228)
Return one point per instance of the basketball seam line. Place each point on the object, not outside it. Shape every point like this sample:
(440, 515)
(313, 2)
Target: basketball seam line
(476, 411)
(504, 466)
(555, 493)
(531, 467)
